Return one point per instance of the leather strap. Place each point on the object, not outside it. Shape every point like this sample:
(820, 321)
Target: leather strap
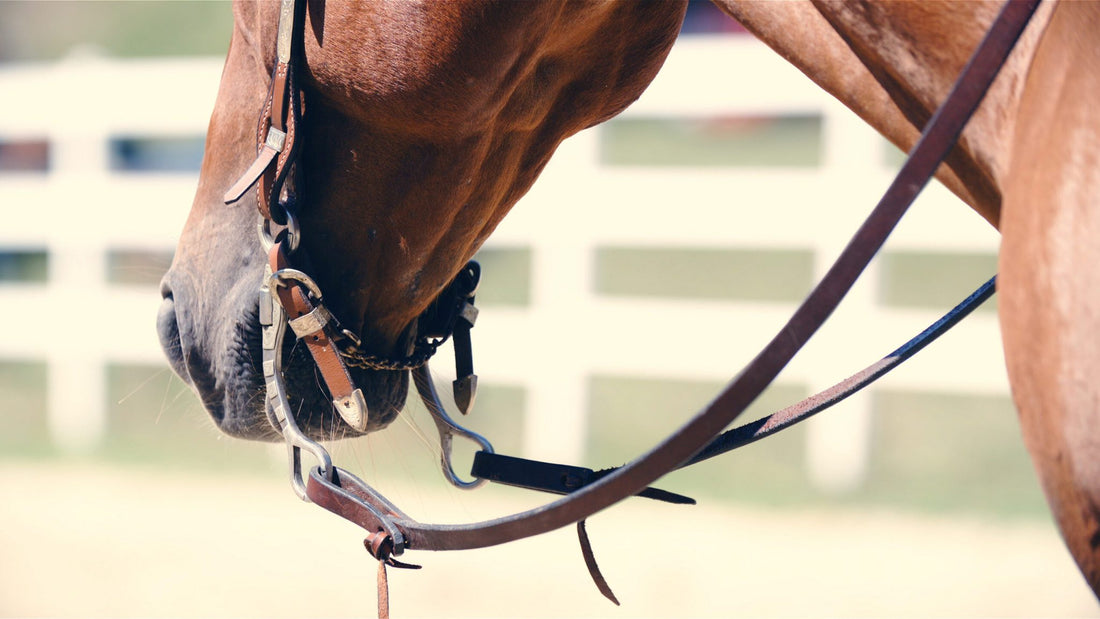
(593, 567)
(277, 131)
(314, 326)
(548, 477)
(383, 592)
(801, 411)
(354, 500)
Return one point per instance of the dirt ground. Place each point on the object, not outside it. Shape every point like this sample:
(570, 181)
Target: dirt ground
(101, 541)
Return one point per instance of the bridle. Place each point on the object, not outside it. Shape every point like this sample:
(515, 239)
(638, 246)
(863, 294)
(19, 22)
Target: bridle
(289, 297)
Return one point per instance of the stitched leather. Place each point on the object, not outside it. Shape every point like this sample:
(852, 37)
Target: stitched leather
(282, 111)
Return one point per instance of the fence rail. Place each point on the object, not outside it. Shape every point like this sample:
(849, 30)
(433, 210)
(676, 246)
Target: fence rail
(80, 210)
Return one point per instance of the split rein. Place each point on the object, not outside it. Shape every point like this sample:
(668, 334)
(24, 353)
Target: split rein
(290, 298)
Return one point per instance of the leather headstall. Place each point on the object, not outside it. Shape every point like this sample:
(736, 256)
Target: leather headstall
(277, 183)
(278, 124)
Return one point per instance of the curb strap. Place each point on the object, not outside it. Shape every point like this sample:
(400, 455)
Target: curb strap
(278, 123)
(315, 326)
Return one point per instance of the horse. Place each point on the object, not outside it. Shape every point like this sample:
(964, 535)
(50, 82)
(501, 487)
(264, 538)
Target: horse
(425, 123)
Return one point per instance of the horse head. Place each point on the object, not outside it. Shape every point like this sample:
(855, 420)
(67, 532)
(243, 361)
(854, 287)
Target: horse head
(423, 123)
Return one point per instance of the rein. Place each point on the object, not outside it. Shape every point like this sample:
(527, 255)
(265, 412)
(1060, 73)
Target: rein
(289, 297)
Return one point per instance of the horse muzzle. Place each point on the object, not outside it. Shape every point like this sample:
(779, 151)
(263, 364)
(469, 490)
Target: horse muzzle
(217, 350)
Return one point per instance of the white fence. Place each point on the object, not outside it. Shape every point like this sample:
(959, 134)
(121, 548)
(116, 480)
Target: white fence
(79, 210)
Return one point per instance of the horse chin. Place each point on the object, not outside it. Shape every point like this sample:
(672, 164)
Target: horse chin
(385, 393)
(223, 367)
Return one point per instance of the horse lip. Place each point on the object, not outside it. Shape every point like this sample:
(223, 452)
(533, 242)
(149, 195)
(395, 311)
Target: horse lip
(182, 358)
(227, 385)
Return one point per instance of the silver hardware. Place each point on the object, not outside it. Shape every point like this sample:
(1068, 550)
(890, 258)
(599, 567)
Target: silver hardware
(468, 313)
(280, 277)
(353, 409)
(276, 139)
(267, 333)
(293, 232)
(310, 323)
(277, 405)
(267, 238)
(353, 338)
(286, 31)
(465, 392)
(448, 429)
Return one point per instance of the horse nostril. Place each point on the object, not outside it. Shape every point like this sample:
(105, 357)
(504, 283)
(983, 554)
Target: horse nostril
(167, 327)
(165, 288)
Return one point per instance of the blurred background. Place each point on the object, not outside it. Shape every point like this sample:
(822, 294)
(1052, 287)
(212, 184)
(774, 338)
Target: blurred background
(655, 256)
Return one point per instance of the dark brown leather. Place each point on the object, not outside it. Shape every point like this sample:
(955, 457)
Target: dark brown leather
(551, 477)
(352, 499)
(593, 567)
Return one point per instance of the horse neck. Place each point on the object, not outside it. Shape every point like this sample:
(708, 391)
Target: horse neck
(893, 64)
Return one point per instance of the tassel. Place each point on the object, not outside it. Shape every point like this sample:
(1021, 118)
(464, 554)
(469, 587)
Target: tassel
(383, 592)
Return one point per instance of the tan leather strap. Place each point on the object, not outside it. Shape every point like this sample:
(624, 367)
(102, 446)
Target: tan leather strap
(313, 325)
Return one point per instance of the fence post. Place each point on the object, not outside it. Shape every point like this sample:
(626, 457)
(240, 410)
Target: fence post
(76, 393)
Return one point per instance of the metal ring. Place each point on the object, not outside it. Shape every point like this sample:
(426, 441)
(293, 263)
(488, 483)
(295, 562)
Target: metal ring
(292, 228)
(277, 279)
(263, 229)
(293, 231)
(448, 429)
